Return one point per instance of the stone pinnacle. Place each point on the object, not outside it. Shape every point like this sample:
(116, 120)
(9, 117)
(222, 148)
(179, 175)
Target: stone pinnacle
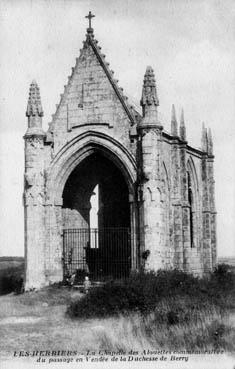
(174, 128)
(210, 142)
(34, 107)
(204, 141)
(182, 126)
(149, 91)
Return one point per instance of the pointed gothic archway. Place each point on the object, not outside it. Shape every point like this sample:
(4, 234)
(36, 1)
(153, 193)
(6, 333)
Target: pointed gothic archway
(90, 159)
(96, 243)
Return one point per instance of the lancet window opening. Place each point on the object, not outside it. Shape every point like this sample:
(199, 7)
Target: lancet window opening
(94, 218)
(191, 210)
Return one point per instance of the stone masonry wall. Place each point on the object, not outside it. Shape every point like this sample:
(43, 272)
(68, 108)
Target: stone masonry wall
(89, 100)
(179, 251)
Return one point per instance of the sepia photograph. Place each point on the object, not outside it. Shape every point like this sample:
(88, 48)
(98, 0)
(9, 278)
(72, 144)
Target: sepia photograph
(117, 184)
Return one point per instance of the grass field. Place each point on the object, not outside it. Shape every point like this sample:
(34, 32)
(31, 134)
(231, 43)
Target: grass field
(185, 314)
(38, 321)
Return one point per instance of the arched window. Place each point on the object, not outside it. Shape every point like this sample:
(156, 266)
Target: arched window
(191, 210)
(93, 221)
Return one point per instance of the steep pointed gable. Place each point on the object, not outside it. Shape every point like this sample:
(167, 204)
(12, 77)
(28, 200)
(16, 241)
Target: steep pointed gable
(92, 95)
(109, 73)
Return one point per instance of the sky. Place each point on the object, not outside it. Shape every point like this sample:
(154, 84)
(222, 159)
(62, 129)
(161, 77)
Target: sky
(190, 45)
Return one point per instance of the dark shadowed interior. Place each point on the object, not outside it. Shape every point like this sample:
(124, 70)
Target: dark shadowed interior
(106, 247)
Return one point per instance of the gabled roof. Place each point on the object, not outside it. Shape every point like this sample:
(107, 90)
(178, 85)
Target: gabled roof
(114, 82)
(132, 113)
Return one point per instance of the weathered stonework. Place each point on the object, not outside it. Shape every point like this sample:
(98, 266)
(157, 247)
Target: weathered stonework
(169, 184)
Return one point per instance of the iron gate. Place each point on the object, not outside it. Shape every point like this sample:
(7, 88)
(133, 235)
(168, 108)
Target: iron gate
(100, 253)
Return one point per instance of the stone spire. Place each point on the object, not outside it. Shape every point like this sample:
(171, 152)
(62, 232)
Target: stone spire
(204, 141)
(149, 100)
(174, 125)
(210, 142)
(182, 126)
(34, 110)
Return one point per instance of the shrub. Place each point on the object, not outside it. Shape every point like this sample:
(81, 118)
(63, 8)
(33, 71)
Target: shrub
(11, 280)
(111, 299)
(220, 287)
(218, 333)
(224, 277)
(143, 291)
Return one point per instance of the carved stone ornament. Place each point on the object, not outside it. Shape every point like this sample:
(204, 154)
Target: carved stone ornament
(146, 173)
(34, 188)
(34, 197)
(29, 178)
(155, 130)
(35, 142)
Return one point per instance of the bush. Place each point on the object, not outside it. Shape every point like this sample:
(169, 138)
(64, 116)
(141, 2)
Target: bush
(111, 299)
(11, 280)
(221, 286)
(224, 277)
(143, 291)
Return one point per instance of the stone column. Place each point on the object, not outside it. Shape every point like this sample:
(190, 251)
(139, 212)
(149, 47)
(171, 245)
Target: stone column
(184, 197)
(34, 212)
(133, 235)
(206, 217)
(176, 194)
(211, 184)
(150, 136)
(34, 193)
(54, 242)
(151, 242)
(211, 188)
(185, 212)
(206, 175)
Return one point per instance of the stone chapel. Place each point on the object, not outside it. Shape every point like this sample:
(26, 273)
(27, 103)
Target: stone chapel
(106, 189)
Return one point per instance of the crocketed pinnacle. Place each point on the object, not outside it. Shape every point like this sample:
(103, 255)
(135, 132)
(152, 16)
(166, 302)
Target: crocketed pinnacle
(182, 126)
(149, 91)
(210, 142)
(174, 125)
(34, 112)
(204, 140)
(34, 107)
(149, 100)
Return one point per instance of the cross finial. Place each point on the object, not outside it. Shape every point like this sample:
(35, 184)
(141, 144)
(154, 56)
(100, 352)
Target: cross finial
(90, 16)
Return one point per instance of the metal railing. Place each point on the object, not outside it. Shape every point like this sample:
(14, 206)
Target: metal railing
(99, 253)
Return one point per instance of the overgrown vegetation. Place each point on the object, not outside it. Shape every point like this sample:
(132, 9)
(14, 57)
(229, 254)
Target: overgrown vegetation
(211, 331)
(167, 309)
(143, 291)
(11, 279)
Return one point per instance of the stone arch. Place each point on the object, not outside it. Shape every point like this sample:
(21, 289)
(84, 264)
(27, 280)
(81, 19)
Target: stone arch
(63, 164)
(193, 199)
(78, 149)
